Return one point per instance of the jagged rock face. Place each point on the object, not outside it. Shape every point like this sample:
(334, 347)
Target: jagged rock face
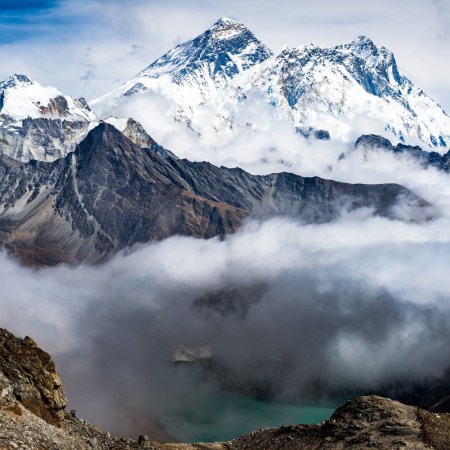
(28, 375)
(41, 139)
(110, 194)
(313, 200)
(310, 86)
(136, 133)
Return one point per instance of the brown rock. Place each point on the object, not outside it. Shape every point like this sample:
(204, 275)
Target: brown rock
(28, 375)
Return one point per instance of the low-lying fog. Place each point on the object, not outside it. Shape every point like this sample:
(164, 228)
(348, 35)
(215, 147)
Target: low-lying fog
(360, 303)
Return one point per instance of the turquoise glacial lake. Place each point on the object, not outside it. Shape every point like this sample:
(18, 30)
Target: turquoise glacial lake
(227, 416)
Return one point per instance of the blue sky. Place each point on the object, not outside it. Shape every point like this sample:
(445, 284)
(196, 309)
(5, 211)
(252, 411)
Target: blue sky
(19, 19)
(26, 5)
(87, 47)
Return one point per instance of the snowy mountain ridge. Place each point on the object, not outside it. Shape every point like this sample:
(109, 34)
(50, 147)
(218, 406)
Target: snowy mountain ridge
(39, 122)
(311, 86)
(22, 98)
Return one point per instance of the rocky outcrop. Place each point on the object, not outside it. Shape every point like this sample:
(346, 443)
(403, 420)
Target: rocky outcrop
(32, 416)
(28, 375)
(136, 133)
(365, 422)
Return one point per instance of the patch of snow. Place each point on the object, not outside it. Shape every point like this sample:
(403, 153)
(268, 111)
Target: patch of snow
(120, 124)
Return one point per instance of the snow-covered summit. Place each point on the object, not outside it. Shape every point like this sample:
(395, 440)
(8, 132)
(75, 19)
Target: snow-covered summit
(22, 98)
(204, 69)
(15, 81)
(333, 87)
(226, 28)
(351, 89)
(39, 122)
(223, 50)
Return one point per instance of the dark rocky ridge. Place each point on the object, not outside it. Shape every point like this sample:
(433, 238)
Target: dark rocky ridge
(111, 193)
(31, 393)
(426, 159)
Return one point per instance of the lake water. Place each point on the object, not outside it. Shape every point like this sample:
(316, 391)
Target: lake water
(227, 416)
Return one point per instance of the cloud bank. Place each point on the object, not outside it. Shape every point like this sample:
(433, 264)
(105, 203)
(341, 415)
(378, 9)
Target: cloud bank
(262, 144)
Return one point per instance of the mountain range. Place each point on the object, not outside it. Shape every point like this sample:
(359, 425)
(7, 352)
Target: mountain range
(81, 182)
(226, 67)
(112, 193)
(76, 188)
(222, 74)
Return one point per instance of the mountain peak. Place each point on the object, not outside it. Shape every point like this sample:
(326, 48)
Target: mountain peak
(15, 80)
(225, 49)
(363, 41)
(366, 47)
(225, 22)
(19, 78)
(22, 98)
(363, 46)
(226, 28)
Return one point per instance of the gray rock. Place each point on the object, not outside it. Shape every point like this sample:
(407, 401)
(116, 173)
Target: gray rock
(426, 159)
(42, 139)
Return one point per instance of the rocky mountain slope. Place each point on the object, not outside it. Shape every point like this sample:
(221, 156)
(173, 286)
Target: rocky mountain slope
(110, 194)
(33, 416)
(323, 88)
(38, 122)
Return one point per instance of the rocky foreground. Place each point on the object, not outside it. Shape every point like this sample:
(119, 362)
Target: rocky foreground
(33, 416)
